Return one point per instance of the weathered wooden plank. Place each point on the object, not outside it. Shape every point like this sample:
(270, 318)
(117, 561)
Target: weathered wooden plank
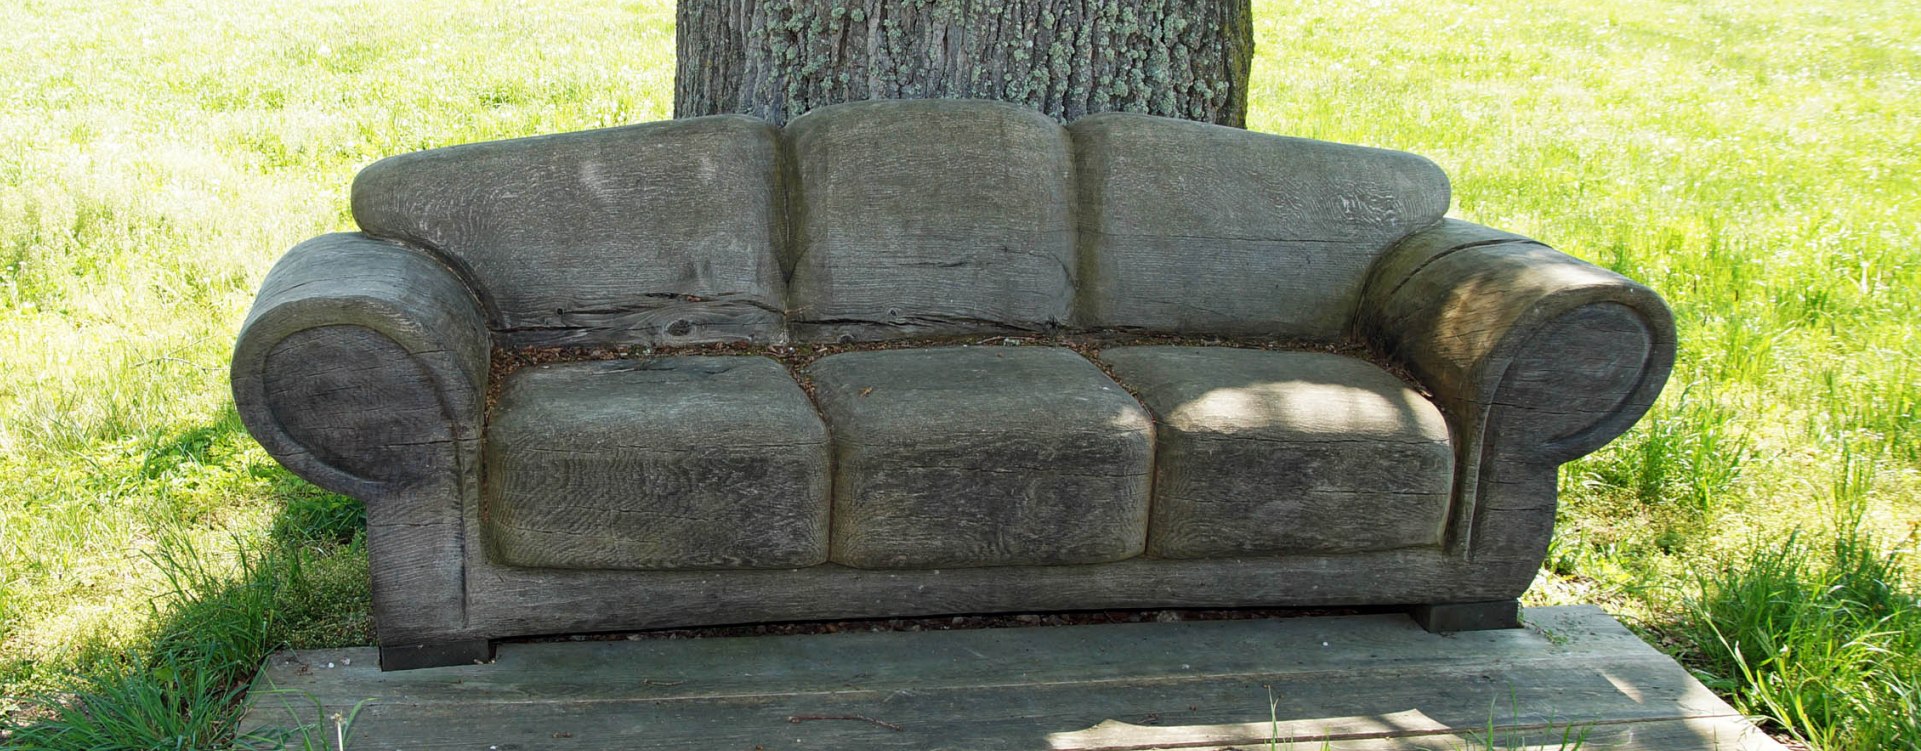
(510, 600)
(1195, 228)
(1536, 356)
(1172, 710)
(360, 368)
(669, 462)
(1459, 304)
(1270, 453)
(1723, 733)
(885, 660)
(1573, 374)
(660, 233)
(983, 456)
(927, 217)
(1354, 680)
(346, 330)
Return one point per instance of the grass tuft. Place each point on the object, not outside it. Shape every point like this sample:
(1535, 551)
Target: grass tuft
(210, 633)
(1824, 644)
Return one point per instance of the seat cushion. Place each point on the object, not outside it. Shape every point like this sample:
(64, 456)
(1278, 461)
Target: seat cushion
(1273, 453)
(983, 456)
(668, 463)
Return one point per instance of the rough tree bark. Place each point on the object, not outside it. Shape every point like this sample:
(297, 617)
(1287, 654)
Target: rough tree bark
(776, 59)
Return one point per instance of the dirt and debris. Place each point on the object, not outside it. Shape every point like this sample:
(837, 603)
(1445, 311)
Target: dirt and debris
(965, 622)
(799, 355)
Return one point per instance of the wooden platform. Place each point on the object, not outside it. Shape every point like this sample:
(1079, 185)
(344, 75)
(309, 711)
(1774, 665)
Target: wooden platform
(1573, 678)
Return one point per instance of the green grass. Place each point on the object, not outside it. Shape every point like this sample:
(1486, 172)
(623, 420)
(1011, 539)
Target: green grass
(1755, 162)
(1819, 640)
(179, 688)
(154, 160)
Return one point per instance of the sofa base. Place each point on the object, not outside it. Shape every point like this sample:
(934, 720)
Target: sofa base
(1468, 616)
(1438, 618)
(438, 654)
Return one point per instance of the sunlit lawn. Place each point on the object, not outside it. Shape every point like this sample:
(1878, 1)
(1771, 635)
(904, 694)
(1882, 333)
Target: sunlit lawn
(1756, 162)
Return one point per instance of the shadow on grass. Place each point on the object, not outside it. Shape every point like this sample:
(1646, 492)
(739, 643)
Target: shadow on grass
(304, 584)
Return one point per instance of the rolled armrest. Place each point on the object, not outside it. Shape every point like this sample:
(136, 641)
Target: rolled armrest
(361, 361)
(1569, 354)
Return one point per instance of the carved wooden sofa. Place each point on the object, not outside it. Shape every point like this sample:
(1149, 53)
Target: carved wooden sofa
(670, 490)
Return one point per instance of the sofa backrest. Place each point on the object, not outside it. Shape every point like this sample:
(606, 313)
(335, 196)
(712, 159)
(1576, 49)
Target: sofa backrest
(929, 217)
(1195, 228)
(663, 233)
(882, 219)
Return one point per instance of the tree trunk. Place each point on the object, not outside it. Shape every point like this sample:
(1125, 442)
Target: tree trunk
(777, 59)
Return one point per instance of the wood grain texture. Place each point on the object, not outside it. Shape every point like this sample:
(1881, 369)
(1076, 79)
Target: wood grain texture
(1580, 380)
(1066, 58)
(1536, 357)
(359, 402)
(1272, 453)
(1457, 303)
(983, 456)
(360, 368)
(393, 293)
(507, 601)
(426, 343)
(367, 408)
(1364, 682)
(654, 234)
(929, 217)
(673, 462)
(1195, 228)
(889, 661)
(363, 364)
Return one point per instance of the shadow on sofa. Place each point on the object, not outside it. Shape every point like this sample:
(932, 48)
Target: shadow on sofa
(916, 476)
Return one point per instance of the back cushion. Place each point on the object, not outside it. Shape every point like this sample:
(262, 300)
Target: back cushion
(1195, 228)
(929, 217)
(661, 233)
